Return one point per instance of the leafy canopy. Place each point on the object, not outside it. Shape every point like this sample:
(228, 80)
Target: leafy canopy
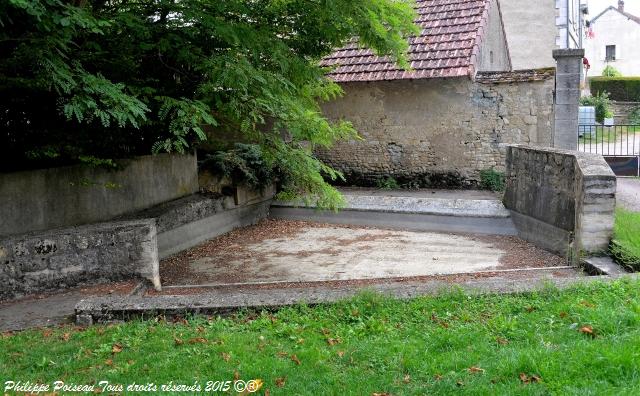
(108, 78)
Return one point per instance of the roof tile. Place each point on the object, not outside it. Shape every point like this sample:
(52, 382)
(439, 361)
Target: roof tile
(446, 47)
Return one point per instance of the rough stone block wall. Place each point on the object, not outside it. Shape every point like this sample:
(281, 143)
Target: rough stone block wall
(440, 132)
(561, 200)
(62, 258)
(621, 111)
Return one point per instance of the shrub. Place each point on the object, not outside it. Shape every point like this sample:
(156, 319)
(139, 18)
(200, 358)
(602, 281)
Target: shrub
(611, 71)
(244, 165)
(491, 179)
(634, 116)
(625, 89)
(387, 183)
(625, 246)
(602, 104)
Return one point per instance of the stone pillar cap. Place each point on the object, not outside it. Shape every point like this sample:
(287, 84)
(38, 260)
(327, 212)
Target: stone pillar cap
(568, 53)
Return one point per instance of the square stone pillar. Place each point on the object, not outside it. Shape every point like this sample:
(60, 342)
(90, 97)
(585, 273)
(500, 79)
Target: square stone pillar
(568, 69)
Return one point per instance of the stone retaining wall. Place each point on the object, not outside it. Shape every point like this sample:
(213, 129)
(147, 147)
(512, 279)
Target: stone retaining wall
(61, 258)
(621, 111)
(561, 200)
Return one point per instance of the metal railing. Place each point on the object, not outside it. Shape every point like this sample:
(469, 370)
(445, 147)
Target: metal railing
(614, 141)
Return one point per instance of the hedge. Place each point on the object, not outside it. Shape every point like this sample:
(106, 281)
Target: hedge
(623, 89)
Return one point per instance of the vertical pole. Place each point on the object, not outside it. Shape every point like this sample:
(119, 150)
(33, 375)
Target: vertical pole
(568, 68)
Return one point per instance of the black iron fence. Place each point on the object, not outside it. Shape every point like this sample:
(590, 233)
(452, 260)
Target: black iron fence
(618, 144)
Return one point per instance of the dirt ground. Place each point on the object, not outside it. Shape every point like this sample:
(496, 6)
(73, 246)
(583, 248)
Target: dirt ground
(295, 251)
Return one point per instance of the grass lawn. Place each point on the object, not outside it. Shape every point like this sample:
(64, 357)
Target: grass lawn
(626, 239)
(609, 134)
(582, 341)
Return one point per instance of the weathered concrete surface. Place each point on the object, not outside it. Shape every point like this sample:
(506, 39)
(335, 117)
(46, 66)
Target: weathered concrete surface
(62, 258)
(628, 194)
(75, 195)
(105, 309)
(336, 253)
(564, 200)
(438, 132)
(603, 265)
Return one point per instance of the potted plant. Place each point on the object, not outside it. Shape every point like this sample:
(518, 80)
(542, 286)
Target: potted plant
(608, 118)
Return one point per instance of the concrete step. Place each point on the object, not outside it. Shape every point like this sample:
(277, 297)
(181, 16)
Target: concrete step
(464, 211)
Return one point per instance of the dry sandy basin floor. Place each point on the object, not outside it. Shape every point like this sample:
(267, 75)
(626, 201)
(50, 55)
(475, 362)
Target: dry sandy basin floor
(294, 251)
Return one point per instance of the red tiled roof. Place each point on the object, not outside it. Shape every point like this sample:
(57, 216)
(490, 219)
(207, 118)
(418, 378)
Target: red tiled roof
(446, 47)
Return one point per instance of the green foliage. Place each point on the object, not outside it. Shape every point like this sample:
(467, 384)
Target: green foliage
(387, 183)
(602, 104)
(625, 246)
(491, 179)
(611, 71)
(624, 89)
(244, 165)
(634, 116)
(365, 345)
(114, 78)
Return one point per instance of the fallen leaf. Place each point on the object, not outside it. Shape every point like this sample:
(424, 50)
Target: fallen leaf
(130, 362)
(530, 309)
(295, 359)
(406, 379)
(198, 340)
(459, 383)
(66, 336)
(586, 304)
(587, 330)
(178, 341)
(502, 341)
(524, 378)
(280, 382)
(341, 353)
(563, 314)
(282, 354)
(47, 333)
(200, 329)
(117, 348)
(325, 331)
(333, 341)
(108, 362)
(437, 377)
(226, 356)
(380, 394)
(474, 369)
(300, 341)
(267, 392)
(535, 378)
(236, 375)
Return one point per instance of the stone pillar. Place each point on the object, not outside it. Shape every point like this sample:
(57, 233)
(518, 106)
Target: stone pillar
(568, 68)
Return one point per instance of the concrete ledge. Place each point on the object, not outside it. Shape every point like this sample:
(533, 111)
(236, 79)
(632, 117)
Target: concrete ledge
(400, 220)
(107, 309)
(61, 258)
(602, 266)
(423, 206)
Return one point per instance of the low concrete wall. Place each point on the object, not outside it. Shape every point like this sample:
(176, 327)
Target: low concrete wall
(75, 195)
(560, 200)
(62, 258)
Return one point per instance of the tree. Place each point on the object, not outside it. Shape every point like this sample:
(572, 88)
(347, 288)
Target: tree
(107, 78)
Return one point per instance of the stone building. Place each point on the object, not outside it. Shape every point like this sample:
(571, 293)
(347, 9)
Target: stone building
(447, 118)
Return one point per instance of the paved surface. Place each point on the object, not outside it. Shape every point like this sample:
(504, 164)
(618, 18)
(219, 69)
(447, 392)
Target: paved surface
(53, 309)
(422, 193)
(628, 194)
(105, 309)
(289, 251)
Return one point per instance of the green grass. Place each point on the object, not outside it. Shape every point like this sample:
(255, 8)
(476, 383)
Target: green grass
(626, 239)
(367, 345)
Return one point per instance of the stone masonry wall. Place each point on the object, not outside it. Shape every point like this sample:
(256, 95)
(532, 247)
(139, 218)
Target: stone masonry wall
(561, 200)
(62, 258)
(440, 132)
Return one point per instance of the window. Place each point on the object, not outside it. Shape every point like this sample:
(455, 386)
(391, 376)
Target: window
(611, 53)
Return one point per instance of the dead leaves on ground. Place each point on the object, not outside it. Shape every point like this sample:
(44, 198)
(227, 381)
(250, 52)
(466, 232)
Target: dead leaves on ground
(280, 381)
(475, 370)
(116, 348)
(527, 379)
(588, 330)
